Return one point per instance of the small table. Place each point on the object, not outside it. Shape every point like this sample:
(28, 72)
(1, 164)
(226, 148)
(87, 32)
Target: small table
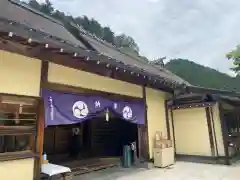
(53, 169)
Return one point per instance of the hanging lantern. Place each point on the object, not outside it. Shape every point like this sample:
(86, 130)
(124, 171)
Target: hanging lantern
(107, 115)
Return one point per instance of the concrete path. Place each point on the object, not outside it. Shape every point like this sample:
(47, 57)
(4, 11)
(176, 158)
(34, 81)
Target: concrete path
(180, 171)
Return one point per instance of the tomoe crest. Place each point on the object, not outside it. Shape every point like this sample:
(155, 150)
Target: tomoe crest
(127, 112)
(80, 109)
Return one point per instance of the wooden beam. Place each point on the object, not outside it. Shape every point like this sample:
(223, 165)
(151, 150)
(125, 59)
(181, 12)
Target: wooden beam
(202, 90)
(80, 63)
(192, 105)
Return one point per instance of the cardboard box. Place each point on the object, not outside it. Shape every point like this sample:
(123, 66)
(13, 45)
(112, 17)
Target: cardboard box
(163, 157)
(161, 142)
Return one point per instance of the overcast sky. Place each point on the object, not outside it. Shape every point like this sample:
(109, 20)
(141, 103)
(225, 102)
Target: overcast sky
(199, 30)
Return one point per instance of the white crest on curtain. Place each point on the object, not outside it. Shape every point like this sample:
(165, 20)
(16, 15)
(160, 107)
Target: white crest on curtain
(127, 112)
(80, 109)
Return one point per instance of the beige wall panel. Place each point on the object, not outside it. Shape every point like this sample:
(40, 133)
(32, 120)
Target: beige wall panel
(156, 115)
(69, 76)
(19, 74)
(218, 130)
(17, 169)
(191, 132)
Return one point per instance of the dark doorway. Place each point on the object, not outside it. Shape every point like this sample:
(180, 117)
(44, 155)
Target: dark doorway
(99, 139)
(107, 138)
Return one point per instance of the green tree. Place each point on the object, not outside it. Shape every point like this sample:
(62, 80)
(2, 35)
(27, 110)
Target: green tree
(108, 35)
(34, 4)
(58, 15)
(47, 7)
(95, 28)
(234, 55)
(124, 41)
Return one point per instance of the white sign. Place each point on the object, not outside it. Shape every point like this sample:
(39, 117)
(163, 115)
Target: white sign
(51, 108)
(115, 105)
(97, 104)
(127, 112)
(80, 109)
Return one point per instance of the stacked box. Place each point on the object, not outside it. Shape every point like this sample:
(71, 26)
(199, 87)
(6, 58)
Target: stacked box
(163, 152)
(161, 142)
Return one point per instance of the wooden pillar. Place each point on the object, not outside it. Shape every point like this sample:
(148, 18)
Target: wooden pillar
(44, 74)
(167, 120)
(143, 132)
(40, 121)
(173, 129)
(39, 139)
(224, 134)
(210, 130)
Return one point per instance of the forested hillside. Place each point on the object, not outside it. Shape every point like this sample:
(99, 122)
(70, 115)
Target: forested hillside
(203, 76)
(122, 41)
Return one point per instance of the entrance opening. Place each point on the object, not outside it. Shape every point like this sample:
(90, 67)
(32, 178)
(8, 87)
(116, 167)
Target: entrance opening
(90, 145)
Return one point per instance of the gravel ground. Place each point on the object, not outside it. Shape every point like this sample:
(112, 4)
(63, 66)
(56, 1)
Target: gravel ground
(179, 171)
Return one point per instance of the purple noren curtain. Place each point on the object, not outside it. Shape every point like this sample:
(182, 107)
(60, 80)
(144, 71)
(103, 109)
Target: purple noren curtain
(63, 108)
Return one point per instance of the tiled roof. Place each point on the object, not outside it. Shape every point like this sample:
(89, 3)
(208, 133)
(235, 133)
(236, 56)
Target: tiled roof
(115, 53)
(19, 12)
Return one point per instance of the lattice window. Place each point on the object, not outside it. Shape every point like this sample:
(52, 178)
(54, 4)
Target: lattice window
(18, 126)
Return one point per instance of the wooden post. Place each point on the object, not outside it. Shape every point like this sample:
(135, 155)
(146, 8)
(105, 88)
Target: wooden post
(173, 129)
(39, 139)
(167, 120)
(224, 134)
(143, 132)
(139, 143)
